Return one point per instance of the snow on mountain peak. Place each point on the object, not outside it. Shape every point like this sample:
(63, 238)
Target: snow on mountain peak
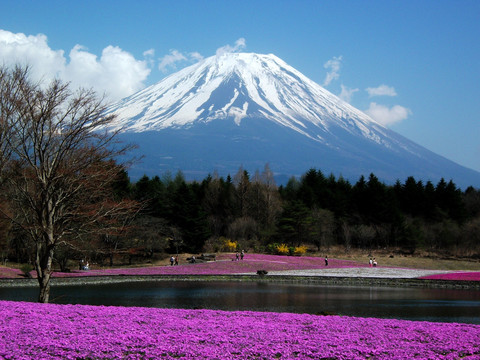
(241, 86)
(252, 109)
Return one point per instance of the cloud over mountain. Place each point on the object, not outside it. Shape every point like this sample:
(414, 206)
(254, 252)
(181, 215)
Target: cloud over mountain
(116, 72)
(387, 116)
(333, 66)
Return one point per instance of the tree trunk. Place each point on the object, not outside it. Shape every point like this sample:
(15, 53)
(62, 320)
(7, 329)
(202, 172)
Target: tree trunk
(44, 295)
(43, 266)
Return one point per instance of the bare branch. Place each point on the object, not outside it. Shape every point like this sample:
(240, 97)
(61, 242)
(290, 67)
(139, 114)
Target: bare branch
(57, 161)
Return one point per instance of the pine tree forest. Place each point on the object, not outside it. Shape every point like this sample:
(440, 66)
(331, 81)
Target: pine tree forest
(315, 212)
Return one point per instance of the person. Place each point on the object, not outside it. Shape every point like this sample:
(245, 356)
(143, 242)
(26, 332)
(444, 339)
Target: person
(237, 256)
(172, 259)
(193, 259)
(242, 254)
(374, 262)
(87, 266)
(176, 260)
(370, 262)
(326, 260)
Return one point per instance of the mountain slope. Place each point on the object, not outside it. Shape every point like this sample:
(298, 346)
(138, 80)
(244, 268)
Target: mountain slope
(250, 109)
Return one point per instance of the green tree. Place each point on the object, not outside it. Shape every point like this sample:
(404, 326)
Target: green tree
(295, 224)
(188, 216)
(471, 199)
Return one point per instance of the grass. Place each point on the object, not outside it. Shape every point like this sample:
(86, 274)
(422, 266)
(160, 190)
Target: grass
(419, 260)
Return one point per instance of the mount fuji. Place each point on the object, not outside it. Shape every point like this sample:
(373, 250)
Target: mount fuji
(245, 109)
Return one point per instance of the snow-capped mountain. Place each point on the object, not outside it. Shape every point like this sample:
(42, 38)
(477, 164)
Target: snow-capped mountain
(244, 109)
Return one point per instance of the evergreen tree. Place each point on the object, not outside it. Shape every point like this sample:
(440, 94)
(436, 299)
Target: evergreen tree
(295, 224)
(242, 188)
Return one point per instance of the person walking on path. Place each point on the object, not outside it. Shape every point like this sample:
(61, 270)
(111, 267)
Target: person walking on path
(326, 260)
(242, 254)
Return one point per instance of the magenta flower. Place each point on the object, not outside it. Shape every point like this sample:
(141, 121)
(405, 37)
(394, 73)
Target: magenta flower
(223, 265)
(48, 331)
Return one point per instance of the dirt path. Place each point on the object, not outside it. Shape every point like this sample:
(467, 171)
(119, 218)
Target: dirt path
(378, 272)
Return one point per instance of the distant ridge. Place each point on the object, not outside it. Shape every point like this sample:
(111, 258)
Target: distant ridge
(245, 109)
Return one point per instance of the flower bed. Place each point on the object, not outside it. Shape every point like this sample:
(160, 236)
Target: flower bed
(6, 272)
(459, 276)
(223, 265)
(226, 265)
(48, 331)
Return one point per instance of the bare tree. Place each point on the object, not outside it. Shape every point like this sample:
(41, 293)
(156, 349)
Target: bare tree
(243, 229)
(273, 205)
(176, 239)
(241, 180)
(346, 235)
(60, 165)
(6, 110)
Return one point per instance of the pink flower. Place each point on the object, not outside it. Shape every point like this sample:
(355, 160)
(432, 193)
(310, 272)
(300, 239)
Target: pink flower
(48, 331)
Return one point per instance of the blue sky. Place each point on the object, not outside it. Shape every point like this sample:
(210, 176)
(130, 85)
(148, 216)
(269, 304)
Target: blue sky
(412, 65)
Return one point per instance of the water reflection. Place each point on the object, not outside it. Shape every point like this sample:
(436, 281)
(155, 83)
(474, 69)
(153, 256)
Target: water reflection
(446, 305)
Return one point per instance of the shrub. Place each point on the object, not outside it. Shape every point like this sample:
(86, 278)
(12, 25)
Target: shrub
(283, 249)
(300, 250)
(229, 245)
(213, 245)
(272, 248)
(25, 269)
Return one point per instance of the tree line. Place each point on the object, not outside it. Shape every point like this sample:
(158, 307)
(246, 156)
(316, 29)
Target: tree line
(314, 210)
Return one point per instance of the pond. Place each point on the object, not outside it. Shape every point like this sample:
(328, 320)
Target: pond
(442, 305)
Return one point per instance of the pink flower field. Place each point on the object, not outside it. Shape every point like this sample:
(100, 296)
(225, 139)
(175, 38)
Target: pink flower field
(48, 331)
(223, 265)
(9, 273)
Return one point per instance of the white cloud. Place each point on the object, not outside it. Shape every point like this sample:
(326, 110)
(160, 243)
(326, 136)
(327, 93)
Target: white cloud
(382, 90)
(347, 93)
(196, 56)
(116, 72)
(333, 65)
(240, 44)
(33, 51)
(149, 53)
(149, 57)
(387, 116)
(170, 61)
